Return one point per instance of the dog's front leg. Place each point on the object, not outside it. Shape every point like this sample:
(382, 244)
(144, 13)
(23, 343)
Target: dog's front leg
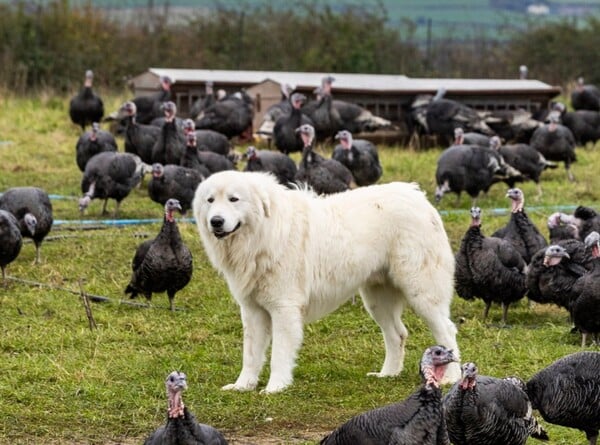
(257, 333)
(288, 324)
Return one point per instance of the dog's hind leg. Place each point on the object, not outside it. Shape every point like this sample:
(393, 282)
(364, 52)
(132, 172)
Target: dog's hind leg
(288, 325)
(385, 304)
(257, 333)
(437, 317)
(424, 273)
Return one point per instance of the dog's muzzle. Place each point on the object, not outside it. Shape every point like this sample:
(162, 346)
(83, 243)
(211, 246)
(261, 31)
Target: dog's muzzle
(217, 224)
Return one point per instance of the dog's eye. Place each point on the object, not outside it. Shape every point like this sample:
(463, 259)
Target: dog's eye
(234, 199)
(211, 199)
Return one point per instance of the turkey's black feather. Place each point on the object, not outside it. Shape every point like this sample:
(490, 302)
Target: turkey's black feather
(489, 268)
(360, 158)
(281, 165)
(11, 241)
(111, 175)
(182, 428)
(163, 264)
(86, 107)
(174, 181)
(417, 420)
(490, 411)
(93, 142)
(567, 392)
(32, 208)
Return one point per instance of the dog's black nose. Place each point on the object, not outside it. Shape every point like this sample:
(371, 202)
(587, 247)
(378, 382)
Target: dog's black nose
(217, 222)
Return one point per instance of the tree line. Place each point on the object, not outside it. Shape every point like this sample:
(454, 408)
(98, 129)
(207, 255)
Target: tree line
(51, 46)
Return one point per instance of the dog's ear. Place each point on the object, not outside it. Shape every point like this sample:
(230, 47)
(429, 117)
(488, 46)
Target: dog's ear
(266, 203)
(259, 188)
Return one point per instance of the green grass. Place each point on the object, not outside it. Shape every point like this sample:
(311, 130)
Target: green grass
(62, 383)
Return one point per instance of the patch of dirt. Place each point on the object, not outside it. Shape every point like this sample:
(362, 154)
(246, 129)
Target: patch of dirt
(300, 438)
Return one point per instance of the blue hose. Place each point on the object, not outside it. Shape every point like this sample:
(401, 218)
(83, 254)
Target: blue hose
(504, 211)
(126, 222)
(114, 222)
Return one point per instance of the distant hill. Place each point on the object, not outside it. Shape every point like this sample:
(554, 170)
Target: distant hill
(424, 19)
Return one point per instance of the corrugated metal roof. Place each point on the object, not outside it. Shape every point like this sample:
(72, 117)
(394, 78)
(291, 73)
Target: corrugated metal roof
(354, 82)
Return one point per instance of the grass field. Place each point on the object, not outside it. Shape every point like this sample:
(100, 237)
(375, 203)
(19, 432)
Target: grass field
(64, 383)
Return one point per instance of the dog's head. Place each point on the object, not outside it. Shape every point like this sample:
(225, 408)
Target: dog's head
(229, 202)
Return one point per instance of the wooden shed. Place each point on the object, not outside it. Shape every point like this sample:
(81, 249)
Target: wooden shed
(388, 96)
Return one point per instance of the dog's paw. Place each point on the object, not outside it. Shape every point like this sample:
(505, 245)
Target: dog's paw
(276, 385)
(237, 387)
(272, 389)
(265, 391)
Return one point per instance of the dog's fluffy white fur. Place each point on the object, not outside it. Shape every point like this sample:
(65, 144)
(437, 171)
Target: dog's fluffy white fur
(290, 257)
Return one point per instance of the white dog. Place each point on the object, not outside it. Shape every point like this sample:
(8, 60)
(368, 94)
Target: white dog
(290, 257)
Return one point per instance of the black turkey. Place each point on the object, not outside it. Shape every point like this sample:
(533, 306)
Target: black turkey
(150, 106)
(162, 264)
(203, 102)
(174, 181)
(587, 220)
(159, 121)
(416, 420)
(231, 116)
(444, 115)
(277, 111)
(326, 118)
(33, 210)
(482, 410)
(215, 162)
(182, 428)
(469, 168)
(325, 176)
(580, 224)
(93, 142)
(359, 156)
(471, 138)
(189, 157)
(86, 107)
(139, 139)
(585, 309)
(489, 268)
(209, 140)
(357, 119)
(207, 162)
(562, 227)
(553, 272)
(285, 137)
(567, 393)
(10, 241)
(520, 231)
(110, 175)
(524, 158)
(416, 120)
(170, 145)
(585, 96)
(556, 143)
(281, 165)
(584, 124)
(516, 126)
